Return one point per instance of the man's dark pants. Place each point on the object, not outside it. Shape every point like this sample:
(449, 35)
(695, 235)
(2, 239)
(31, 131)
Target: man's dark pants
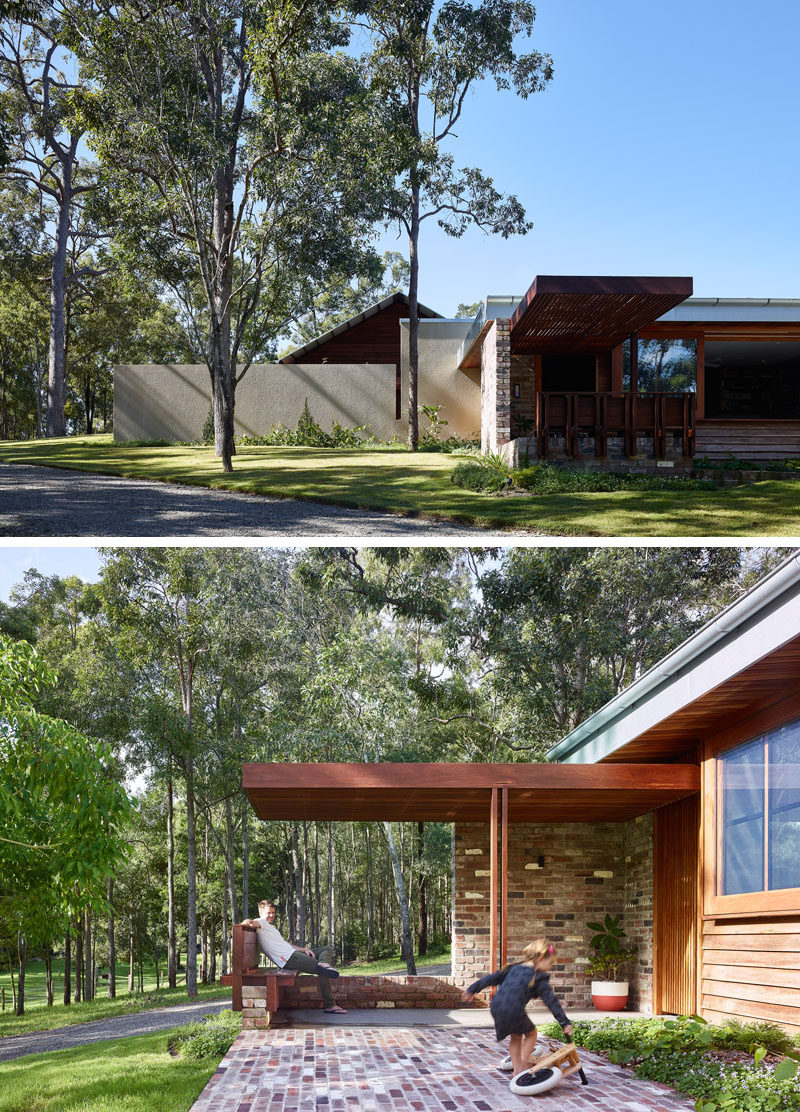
(304, 963)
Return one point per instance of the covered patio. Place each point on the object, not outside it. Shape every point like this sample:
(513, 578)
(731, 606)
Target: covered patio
(538, 849)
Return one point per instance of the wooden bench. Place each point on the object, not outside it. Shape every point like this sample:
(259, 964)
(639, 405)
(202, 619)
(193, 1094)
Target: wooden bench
(245, 970)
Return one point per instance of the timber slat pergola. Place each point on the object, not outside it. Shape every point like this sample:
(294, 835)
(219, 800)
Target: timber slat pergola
(495, 793)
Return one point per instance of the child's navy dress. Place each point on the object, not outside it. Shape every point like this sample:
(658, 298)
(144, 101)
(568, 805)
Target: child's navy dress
(508, 1004)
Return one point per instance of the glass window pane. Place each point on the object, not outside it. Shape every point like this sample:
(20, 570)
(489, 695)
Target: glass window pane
(743, 819)
(668, 366)
(784, 807)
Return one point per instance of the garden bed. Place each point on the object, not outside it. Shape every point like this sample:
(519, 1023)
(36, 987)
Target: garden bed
(735, 1067)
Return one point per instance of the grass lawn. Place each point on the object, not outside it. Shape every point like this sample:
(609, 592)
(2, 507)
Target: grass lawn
(124, 1075)
(399, 482)
(38, 1017)
(436, 955)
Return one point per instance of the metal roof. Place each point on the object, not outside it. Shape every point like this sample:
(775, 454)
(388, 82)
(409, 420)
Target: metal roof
(764, 620)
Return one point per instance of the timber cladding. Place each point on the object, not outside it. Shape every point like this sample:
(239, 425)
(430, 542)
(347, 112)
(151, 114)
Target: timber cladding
(751, 970)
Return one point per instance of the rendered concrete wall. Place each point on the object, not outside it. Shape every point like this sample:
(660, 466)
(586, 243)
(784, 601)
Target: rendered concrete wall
(590, 869)
(167, 402)
(440, 381)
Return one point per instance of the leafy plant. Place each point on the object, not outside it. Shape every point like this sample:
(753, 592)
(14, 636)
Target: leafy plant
(212, 1036)
(434, 433)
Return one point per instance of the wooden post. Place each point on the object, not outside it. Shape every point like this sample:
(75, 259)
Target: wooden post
(701, 376)
(503, 876)
(634, 342)
(493, 816)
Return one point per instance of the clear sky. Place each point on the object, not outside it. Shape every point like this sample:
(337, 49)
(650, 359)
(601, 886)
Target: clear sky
(62, 560)
(665, 144)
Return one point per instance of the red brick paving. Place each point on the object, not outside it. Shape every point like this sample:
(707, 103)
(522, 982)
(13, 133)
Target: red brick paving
(375, 1069)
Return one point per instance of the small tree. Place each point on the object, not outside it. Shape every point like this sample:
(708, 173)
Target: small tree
(61, 809)
(422, 63)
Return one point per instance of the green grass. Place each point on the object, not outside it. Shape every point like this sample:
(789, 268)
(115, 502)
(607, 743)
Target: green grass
(124, 1075)
(436, 955)
(419, 485)
(38, 1017)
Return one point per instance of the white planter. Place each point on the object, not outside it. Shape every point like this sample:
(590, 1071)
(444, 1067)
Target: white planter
(609, 996)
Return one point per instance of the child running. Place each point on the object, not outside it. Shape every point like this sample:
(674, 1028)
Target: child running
(520, 982)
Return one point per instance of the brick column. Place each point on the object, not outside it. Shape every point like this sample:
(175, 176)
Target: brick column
(496, 386)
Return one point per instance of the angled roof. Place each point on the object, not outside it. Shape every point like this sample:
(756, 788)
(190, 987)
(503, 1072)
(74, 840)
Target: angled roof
(582, 312)
(722, 673)
(452, 792)
(296, 356)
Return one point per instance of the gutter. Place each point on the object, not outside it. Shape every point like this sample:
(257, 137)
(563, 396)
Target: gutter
(785, 576)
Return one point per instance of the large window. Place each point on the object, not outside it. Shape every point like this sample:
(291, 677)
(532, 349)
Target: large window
(667, 366)
(758, 835)
(753, 379)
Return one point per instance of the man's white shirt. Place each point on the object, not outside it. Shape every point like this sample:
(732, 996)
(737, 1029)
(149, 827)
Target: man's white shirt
(273, 943)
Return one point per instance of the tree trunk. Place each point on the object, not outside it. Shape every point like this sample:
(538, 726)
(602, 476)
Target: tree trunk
(331, 900)
(406, 941)
(22, 953)
(48, 965)
(112, 947)
(204, 950)
(57, 368)
(213, 944)
(317, 891)
(79, 975)
(131, 951)
(413, 323)
(67, 968)
(222, 371)
(245, 865)
(230, 851)
(422, 893)
(299, 887)
(224, 936)
(370, 893)
(88, 974)
(191, 884)
(172, 965)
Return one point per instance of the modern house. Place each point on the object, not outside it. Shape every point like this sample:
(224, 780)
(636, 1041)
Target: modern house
(677, 805)
(578, 368)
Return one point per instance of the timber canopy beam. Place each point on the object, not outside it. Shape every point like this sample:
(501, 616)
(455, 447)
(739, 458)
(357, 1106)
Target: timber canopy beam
(463, 792)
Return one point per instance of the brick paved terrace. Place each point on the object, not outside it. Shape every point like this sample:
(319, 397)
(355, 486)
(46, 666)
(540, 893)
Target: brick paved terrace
(376, 1069)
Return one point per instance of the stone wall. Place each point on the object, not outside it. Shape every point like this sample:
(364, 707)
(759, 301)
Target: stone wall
(496, 386)
(589, 870)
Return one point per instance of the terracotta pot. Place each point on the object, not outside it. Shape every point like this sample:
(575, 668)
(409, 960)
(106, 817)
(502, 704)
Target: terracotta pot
(609, 996)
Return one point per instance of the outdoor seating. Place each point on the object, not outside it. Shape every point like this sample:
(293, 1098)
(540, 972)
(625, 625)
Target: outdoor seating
(247, 974)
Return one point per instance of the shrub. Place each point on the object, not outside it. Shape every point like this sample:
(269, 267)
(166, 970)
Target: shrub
(544, 478)
(212, 1036)
(309, 434)
(680, 1053)
(488, 472)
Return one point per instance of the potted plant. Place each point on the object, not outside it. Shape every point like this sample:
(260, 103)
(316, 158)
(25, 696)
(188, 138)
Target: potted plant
(609, 991)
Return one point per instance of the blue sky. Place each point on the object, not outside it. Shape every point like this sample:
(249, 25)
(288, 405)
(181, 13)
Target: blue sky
(63, 560)
(665, 144)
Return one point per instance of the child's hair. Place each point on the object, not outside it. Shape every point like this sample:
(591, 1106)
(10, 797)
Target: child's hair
(538, 949)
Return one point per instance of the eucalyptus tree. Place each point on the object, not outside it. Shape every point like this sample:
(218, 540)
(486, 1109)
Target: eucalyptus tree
(234, 134)
(424, 58)
(41, 103)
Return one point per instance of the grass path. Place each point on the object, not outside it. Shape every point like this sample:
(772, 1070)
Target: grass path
(399, 482)
(127, 1075)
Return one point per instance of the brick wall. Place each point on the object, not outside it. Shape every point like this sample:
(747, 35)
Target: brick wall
(496, 386)
(638, 920)
(589, 870)
(358, 992)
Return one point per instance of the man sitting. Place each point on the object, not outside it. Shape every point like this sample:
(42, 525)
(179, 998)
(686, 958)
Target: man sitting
(287, 956)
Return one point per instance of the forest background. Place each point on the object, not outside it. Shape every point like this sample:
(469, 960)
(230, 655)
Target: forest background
(129, 705)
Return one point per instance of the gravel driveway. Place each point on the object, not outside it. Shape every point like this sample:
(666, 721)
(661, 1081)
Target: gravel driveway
(47, 502)
(101, 1030)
